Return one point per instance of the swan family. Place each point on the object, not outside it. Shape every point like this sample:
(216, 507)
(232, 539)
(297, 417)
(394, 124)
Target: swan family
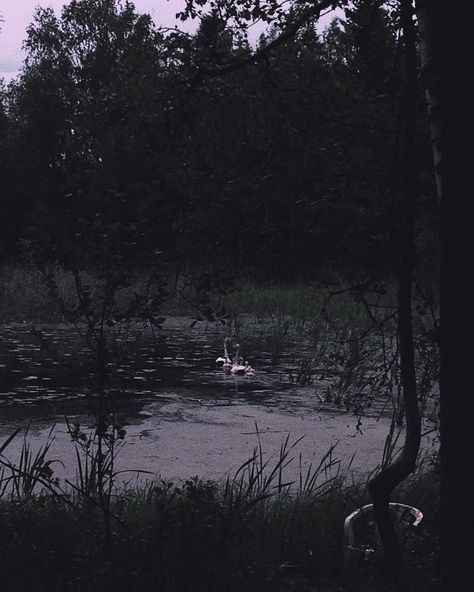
(235, 365)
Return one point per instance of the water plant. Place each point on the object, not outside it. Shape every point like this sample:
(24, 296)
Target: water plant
(92, 458)
(276, 332)
(33, 470)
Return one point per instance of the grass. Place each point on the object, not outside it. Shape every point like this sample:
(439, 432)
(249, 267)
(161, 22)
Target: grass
(25, 297)
(252, 532)
(192, 536)
(33, 470)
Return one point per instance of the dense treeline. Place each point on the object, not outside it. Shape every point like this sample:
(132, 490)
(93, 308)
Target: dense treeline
(115, 145)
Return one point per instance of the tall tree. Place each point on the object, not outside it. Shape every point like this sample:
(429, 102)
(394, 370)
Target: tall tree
(446, 40)
(382, 486)
(84, 111)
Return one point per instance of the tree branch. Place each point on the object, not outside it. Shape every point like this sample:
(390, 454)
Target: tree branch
(290, 31)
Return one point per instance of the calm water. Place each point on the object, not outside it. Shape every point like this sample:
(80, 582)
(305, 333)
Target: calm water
(183, 416)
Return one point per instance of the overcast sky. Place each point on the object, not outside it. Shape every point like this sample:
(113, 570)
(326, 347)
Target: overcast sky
(18, 14)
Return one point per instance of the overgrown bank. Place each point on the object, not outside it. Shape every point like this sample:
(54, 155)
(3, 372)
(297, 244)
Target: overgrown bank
(26, 297)
(203, 536)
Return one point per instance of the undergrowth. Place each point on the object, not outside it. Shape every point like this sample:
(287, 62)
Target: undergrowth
(252, 532)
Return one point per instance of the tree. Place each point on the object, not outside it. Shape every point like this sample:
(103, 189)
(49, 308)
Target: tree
(84, 117)
(382, 486)
(445, 42)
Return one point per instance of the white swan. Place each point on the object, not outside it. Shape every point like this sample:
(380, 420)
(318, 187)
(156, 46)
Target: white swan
(249, 371)
(221, 360)
(240, 368)
(224, 361)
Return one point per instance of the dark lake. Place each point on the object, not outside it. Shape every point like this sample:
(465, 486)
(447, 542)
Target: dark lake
(183, 415)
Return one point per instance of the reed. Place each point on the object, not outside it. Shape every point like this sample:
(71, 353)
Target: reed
(254, 531)
(26, 297)
(32, 471)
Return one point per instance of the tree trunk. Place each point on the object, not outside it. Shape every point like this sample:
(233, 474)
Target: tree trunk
(384, 483)
(446, 40)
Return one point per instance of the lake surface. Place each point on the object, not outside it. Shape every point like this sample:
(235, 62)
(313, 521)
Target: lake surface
(183, 416)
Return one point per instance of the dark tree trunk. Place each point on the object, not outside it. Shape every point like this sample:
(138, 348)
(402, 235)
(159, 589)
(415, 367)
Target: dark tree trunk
(446, 40)
(383, 484)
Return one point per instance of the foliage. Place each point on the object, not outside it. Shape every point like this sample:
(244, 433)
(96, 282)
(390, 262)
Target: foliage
(136, 156)
(32, 472)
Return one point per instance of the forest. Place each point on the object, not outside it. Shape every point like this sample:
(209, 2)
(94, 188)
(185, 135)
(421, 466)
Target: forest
(146, 170)
(111, 132)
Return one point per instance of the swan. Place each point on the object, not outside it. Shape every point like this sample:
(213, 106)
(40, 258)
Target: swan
(221, 360)
(225, 360)
(249, 371)
(239, 367)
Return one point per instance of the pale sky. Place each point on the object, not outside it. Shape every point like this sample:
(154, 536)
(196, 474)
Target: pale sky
(18, 14)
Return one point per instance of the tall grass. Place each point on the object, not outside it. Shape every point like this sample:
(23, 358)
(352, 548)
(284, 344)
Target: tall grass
(254, 531)
(258, 479)
(306, 306)
(32, 471)
(25, 296)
